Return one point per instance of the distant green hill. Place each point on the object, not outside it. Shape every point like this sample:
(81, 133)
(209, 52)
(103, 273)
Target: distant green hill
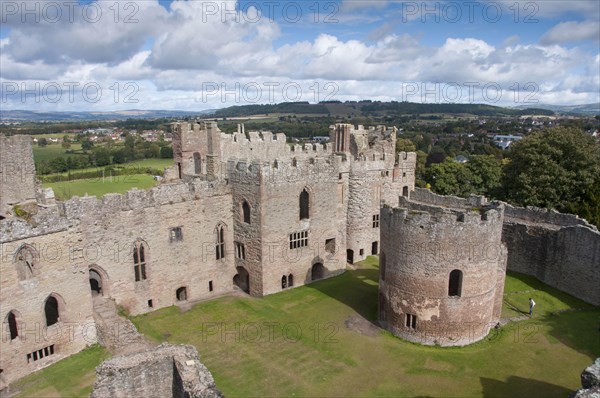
(374, 108)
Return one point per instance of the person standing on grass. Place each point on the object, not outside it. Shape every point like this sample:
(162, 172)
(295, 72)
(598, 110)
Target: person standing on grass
(531, 305)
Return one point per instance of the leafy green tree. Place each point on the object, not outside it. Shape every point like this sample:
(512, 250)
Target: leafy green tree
(553, 168)
(66, 142)
(487, 174)
(101, 156)
(166, 152)
(86, 145)
(451, 178)
(42, 142)
(405, 145)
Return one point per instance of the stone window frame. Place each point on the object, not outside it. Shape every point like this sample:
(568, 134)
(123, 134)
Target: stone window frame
(175, 234)
(299, 239)
(304, 204)
(31, 268)
(240, 250)
(410, 321)
(245, 212)
(220, 241)
(140, 260)
(376, 220)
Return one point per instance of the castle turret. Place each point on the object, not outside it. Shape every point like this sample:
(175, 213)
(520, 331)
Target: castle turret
(197, 148)
(441, 272)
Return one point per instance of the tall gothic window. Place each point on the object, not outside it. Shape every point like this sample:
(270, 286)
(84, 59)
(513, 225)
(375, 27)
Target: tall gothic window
(220, 246)
(304, 205)
(139, 261)
(246, 212)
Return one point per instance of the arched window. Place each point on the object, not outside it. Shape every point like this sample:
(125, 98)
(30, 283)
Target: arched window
(26, 262)
(246, 212)
(290, 280)
(304, 205)
(197, 163)
(139, 261)
(220, 246)
(283, 282)
(51, 311)
(455, 283)
(11, 319)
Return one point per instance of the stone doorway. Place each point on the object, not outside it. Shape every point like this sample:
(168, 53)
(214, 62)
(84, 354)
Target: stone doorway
(317, 272)
(242, 279)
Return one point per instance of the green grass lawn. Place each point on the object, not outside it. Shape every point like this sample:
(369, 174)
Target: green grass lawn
(71, 377)
(99, 186)
(296, 343)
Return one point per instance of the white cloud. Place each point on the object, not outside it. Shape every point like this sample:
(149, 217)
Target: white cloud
(572, 31)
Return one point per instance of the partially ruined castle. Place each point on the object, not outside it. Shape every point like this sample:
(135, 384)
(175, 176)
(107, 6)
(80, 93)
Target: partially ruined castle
(248, 211)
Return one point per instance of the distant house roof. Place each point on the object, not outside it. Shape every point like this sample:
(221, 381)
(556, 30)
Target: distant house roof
(461, 159)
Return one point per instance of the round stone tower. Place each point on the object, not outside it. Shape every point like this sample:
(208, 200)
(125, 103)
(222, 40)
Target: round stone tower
(442, 271)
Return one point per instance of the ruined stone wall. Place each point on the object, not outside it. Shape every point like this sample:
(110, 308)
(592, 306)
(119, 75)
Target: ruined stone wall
(116, 223)
(560, 250)
(421, 246)
(90, 233)
(17, 172)
(54, 273)
(165, 371)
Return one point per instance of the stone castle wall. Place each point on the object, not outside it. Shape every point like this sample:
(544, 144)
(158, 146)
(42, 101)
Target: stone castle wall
(165, 371)
(17, 172)
(84, 234)
(422, 245)
(560, 250)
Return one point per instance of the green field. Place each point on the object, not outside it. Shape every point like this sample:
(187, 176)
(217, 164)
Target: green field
(154, 163)
(100, 186)
(52, 151)
(296, 343)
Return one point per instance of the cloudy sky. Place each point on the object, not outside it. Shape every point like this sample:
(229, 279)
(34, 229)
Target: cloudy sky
(194, 55)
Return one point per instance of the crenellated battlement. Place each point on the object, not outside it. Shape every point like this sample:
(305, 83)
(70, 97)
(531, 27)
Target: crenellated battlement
(287, 170)
(66, 214)
(420, 214)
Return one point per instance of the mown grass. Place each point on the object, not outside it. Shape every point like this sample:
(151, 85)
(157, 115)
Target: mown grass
(71, 377)
(296, 343)
(100, 186)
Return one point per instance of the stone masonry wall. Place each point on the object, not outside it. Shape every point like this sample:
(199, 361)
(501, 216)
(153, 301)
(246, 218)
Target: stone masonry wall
(560, 250)
(161, 372)
(421, 245)
(17, 172)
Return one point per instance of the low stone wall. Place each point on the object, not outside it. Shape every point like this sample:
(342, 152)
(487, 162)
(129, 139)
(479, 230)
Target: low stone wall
(165, 371)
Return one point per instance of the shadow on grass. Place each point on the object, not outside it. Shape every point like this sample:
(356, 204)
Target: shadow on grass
(355, 288)
(579, 330)
(517, 387)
